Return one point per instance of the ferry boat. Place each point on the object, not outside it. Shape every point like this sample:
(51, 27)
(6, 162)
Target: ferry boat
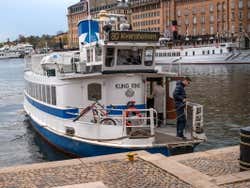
(213, 53)
(78, 101)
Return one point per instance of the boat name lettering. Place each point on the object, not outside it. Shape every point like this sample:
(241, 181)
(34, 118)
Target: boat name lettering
(127, 85)
(133, 36)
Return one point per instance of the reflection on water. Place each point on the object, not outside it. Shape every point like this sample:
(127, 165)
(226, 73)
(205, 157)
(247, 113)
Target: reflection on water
(222, 89)
(224, 92)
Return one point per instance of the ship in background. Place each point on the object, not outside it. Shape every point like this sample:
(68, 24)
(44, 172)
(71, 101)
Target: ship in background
(203, 49)
(15, 51)
(213, 53)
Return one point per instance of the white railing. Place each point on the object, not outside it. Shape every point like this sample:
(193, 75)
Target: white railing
(131, 120)
(144, 119)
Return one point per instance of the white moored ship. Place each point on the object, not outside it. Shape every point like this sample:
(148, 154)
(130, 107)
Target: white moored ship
(78, 101)
(215, 53)
(6, 53)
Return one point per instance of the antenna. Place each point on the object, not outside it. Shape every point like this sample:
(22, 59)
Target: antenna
(140, 13)
(89, 18)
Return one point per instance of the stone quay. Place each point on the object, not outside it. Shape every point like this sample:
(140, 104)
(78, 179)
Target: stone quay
(210, 169)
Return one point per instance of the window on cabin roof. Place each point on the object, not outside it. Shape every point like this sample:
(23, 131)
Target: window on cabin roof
(109, 61)
(90, 55)
(98, 53)
(148, 56)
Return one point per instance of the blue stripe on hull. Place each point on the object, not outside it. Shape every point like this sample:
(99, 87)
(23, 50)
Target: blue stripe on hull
(84, 149)
(62, 113)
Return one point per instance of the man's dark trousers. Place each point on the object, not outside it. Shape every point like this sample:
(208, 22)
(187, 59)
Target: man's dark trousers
(181, 120)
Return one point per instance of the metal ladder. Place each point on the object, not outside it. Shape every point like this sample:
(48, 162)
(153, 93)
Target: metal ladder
(195, 113)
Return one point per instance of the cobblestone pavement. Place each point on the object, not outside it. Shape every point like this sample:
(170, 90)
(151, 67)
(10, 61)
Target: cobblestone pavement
(215, 165)
(238, 185)
(113, 173)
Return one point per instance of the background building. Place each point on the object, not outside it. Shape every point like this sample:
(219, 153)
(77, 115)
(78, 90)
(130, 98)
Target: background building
(61, 41)
(79, 11)
(221, 19)
(76, 13)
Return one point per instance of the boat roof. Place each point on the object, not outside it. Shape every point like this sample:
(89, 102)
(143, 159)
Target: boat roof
(101, 75)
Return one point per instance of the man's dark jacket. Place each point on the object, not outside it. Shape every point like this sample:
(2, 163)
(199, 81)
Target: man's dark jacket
(179, 94)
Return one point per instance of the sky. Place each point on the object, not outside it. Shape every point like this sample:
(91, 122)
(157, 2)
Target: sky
(32, 17)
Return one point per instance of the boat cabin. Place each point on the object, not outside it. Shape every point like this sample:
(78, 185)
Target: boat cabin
(119, 51)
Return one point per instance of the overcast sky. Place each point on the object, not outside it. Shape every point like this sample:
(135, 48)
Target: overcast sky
(32, 17)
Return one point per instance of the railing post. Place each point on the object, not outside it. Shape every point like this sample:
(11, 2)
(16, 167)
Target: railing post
(152, 128)
(98, 124)
(124, 126)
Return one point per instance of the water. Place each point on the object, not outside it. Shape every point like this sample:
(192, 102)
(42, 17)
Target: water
(19, 143)
(223, 90)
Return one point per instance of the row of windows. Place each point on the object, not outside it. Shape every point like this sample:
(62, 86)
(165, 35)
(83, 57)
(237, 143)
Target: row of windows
(146, 22)
(174, 54)
(144, 8)
(105, 7)
(220, 7)
(76, 9)
(157, 29)
(146, 15)
(169, 54)
(45, 93)
(205, 52)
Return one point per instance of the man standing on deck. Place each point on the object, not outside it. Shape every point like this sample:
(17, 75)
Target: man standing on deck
(158, 95)
(180, 104)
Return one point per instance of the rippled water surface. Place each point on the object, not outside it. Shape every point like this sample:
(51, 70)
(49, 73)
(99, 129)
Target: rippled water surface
(19, 143)
(224, 91)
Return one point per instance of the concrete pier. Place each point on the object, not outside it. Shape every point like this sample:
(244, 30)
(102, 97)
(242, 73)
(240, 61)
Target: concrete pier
(214, 168)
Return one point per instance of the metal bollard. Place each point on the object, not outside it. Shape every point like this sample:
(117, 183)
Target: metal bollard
(245, 149)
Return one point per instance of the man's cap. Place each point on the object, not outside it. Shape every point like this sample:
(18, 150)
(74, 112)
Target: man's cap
(187, 78)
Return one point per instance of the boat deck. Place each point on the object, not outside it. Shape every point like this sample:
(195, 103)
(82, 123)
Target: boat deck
(167, 135)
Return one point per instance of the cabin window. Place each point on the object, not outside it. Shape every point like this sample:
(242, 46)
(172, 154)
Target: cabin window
(89, 55)
(94, 92)
(48, 95)
(109, 62)
(193, 52)
(43, 93)
(129, 56)
(148, 56)
(213, 52)
(51, 72)
(98, 53)
(36, 91)
(221, 51)
(53, 95)
(39, 92)
(186, 53)
(208, 52)
(33, 90)
(203, 52)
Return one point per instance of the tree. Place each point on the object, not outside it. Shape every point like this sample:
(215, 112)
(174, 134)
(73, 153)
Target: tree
(21, 39)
